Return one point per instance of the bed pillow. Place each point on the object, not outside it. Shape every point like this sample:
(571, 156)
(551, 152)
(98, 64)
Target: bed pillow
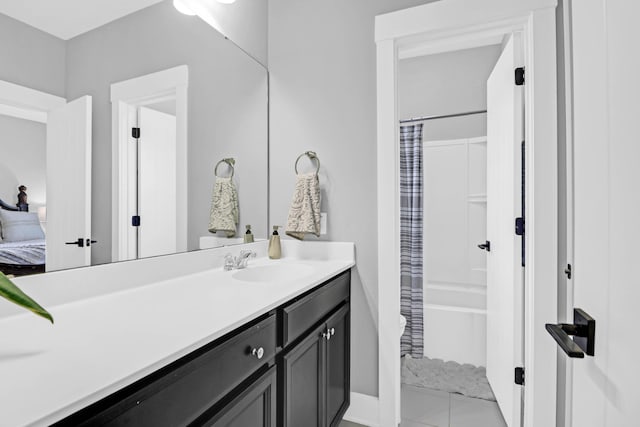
(20, 226)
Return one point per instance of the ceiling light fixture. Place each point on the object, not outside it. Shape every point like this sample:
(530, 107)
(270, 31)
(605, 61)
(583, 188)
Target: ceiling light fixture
(183, 8)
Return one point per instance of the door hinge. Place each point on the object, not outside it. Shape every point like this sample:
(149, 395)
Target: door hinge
(135, 133)
(568, 271)
(520, 226)
(519, 76)
(486, 246)
(519, 375)
(135, 220)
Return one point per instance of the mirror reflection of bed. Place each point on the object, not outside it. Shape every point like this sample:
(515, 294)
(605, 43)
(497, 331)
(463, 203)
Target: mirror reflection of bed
(22, 239)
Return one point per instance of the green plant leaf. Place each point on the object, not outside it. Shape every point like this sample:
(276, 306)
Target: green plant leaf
(11, 292)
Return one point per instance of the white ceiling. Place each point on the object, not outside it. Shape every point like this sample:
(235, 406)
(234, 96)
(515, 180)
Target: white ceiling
(68, 18)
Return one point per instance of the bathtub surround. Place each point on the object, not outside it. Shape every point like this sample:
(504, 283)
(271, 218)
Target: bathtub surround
(411, 240)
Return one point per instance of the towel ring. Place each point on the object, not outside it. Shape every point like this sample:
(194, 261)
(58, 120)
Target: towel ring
(311, 155)
(230, 162)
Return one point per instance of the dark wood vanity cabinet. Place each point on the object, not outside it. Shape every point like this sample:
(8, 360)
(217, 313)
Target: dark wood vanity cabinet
(255, 406)
(314, 366)
(290, 367)
(315, 375)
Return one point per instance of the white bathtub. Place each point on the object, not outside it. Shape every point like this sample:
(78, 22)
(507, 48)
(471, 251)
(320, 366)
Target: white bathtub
(455, 322)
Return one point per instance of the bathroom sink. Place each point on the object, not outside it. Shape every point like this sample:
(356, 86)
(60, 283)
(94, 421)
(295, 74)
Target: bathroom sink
(273, 273)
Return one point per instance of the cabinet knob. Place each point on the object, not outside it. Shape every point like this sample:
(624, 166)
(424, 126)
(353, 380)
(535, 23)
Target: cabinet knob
(258, 353)
(329, 333)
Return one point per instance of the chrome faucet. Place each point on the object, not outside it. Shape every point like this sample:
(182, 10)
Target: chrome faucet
(238, 262)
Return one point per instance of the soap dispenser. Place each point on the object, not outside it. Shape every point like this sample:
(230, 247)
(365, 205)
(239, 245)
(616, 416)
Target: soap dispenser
(275, 249)
(248, 236)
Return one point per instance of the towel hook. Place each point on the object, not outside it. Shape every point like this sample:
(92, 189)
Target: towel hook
(230, 162)
(311, 155)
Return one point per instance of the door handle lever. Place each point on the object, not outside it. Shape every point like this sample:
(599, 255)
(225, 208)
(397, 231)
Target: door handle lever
(583, 331)
(486, 246)
(79, 242)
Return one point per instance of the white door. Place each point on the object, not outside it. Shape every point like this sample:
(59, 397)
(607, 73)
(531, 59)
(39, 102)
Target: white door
(157, 205)
(69, 186)
(604, 390)
(505, 130)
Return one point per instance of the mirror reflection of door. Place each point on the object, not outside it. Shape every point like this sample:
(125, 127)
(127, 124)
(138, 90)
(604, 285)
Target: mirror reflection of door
(57, 172)
(154, 181)
(149, 115)
(69, 185)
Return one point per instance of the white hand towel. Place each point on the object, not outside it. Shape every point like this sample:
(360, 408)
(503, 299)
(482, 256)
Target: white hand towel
(224, 207)
(304, 213)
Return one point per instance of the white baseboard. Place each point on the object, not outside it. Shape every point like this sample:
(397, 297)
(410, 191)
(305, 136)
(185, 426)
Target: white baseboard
(364, 409)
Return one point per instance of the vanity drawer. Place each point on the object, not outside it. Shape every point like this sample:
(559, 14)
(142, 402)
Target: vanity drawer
(183, 393)
(304, 313)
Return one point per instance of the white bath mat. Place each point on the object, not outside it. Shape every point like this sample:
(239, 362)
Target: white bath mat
(452, 377)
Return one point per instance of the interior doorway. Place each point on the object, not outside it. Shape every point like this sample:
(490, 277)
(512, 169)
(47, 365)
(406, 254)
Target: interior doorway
(472, 275)
(151, 179)
(444, 27)
(150, 164)
(67, 153)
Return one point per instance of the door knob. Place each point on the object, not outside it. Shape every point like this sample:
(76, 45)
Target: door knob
(583, 331)
(486, 246)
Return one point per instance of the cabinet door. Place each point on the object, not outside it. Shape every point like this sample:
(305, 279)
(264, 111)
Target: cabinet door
(302, 382)
(254, 407)
(337, 366)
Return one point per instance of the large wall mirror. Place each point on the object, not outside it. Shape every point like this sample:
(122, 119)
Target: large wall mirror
(114, 118)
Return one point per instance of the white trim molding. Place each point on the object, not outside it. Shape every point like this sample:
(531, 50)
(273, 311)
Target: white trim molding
(172, 83)
(25, 103)
(363, 409)
(452, 25)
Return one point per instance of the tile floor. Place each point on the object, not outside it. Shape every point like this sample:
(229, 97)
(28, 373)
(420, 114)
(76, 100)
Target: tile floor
(431, 408)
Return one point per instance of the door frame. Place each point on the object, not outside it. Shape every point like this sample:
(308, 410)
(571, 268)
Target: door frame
(447, 26)
(25, 103)
(172, 83)
(22, 102)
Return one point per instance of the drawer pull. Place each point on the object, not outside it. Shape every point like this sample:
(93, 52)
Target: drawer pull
(332, 331)
(258, 353)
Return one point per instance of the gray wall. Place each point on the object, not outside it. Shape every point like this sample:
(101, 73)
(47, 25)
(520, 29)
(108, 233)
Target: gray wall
(245, 23)
(31, 57)
(22, 160)
(227, 108)
(322, 64)
(446, 83)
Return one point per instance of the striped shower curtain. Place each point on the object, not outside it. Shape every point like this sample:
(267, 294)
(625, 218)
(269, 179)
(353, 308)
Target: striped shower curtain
(411, 238)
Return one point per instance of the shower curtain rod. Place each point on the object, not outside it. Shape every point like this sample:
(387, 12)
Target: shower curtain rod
(443, 116)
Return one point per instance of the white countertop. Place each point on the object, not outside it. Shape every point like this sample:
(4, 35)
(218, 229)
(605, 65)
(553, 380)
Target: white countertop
(104, 342)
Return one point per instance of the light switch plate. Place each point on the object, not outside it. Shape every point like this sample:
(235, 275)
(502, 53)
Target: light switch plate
(323, 223)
